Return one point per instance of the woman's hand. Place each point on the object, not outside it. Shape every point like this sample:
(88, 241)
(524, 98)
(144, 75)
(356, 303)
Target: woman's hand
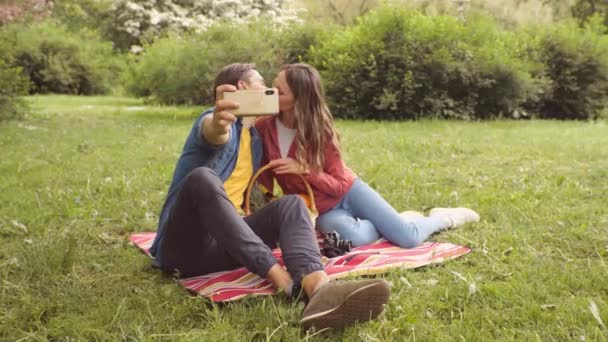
(288, 166)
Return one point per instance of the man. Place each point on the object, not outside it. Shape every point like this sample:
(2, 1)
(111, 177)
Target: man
(201, 231)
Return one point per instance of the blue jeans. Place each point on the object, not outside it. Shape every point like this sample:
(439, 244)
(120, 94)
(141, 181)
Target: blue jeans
(363, 216)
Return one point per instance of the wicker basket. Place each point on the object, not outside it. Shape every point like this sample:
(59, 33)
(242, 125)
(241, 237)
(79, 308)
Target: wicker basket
(314, 213)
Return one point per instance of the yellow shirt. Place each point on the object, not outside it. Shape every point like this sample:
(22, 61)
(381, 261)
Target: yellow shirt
(237, 182)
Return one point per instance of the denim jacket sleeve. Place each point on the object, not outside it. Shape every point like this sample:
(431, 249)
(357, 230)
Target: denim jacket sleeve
(200, 139)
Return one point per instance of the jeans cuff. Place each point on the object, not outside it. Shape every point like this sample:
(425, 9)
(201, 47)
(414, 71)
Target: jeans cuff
(264, 264)
(303, 271)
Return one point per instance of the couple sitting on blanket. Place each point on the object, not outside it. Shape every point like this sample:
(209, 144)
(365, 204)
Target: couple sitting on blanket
(200, 228)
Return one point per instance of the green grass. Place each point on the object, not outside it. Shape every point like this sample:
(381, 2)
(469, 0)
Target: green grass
(80, 174)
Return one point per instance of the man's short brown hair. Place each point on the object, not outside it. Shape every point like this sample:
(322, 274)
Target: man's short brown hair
(231, 74)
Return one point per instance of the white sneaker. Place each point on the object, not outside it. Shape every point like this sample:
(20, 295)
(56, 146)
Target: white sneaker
(458, 216)
(410, 214)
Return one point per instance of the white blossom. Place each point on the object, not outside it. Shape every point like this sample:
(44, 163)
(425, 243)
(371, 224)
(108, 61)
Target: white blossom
(134, 6)
(136, 49)
(156, 17)
(151, 17)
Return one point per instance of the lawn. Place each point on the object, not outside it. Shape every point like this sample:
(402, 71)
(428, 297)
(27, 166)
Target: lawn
(80, 174)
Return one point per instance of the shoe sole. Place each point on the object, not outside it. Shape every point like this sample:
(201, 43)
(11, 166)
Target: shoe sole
(362, 305)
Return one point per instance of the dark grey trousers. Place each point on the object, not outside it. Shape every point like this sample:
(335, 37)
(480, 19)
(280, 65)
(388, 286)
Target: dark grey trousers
(205, 233)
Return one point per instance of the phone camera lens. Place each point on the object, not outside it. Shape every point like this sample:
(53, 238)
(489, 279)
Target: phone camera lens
(269, 92)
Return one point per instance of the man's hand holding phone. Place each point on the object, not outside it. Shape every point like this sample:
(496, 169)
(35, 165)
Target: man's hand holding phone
(216, 127)
(223, 114)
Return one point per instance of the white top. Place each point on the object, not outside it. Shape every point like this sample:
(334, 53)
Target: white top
(285, 136)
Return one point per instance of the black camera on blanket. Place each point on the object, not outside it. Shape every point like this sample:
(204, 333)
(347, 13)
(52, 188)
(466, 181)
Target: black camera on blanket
(333, 246)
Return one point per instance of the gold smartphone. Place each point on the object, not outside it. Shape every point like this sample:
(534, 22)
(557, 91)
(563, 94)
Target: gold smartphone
(257, 102)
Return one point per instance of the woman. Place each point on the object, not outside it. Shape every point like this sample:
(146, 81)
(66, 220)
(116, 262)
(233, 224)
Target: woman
(302, 140)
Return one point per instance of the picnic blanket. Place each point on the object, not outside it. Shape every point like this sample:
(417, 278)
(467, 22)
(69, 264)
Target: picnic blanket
(374, 258)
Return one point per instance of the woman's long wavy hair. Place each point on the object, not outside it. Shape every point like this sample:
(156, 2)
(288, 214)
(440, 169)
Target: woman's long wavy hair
(313, 120)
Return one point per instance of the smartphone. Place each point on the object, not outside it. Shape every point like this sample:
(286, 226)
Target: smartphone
(255, 102)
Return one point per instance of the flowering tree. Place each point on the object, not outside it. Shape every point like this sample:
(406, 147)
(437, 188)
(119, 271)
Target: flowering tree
(138, 21)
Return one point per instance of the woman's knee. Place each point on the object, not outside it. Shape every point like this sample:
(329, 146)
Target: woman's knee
(407, 237)
(348, 228)
(408, 241)
(360, 238)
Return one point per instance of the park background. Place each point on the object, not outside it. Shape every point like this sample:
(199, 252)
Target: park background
(495, 105)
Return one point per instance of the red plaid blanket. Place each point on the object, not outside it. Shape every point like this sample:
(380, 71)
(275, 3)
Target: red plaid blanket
(377, 257)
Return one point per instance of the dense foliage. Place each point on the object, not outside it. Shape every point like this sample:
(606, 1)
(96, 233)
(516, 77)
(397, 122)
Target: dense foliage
(12, 85)
(394, 62)
(58, 61)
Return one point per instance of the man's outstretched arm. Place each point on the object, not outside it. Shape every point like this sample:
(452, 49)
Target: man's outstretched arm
(216, 128)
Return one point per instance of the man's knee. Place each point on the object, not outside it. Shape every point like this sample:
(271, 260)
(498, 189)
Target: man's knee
(202, 178)
(292, 202)
(291, 208)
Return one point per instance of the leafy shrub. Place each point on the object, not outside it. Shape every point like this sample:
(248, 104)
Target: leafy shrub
(58, 61)
(79, 14)
(506, 75)
(12, 86)
(400, 64)
(295, 41)
(585, 10)
(576, 61)
(182, 70)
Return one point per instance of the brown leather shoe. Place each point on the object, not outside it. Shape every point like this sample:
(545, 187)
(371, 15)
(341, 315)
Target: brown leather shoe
(342, 303)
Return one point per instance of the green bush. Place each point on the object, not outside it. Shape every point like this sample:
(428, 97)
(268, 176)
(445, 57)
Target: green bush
(79, 14)
(12, 85)
(182, 70)
(400, 64)
(506, 75)
(57, 61)
(576, 61)
(295, 41)
(585, 11)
